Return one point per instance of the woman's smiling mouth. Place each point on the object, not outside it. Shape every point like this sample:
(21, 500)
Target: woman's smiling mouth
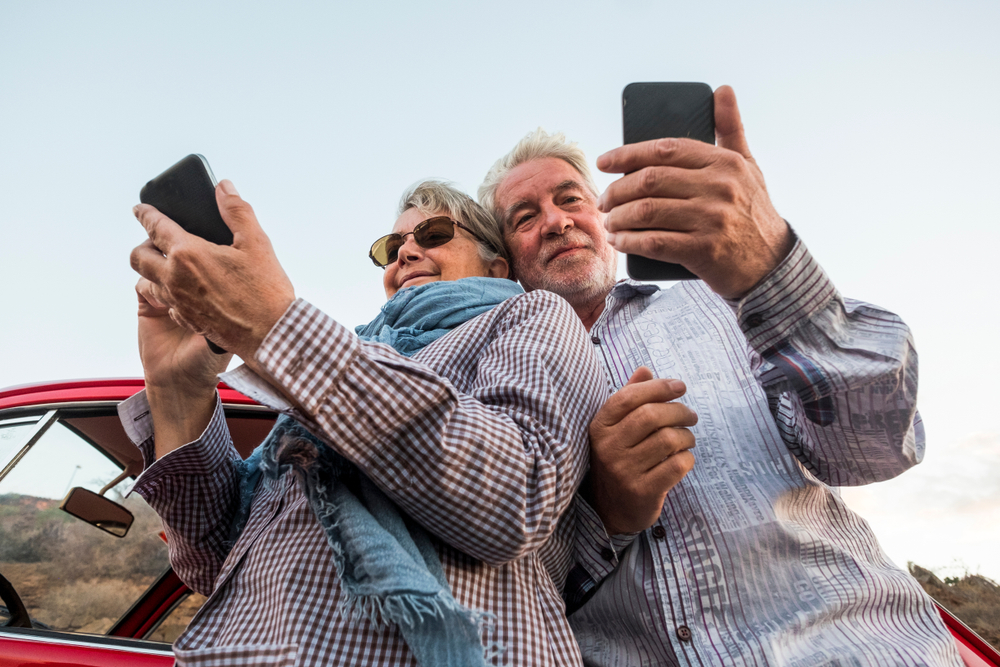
(415, 274)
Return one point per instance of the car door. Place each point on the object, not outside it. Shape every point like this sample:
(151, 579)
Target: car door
(90, 597)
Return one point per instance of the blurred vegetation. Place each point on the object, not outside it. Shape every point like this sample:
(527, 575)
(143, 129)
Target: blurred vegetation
(71, 575)
(972, 598)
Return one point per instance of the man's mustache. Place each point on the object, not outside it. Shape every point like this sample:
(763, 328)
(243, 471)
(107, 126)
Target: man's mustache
(575, 239)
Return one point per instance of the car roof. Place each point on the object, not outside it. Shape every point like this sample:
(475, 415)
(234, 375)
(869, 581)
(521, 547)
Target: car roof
(110, 390)
(248, 425)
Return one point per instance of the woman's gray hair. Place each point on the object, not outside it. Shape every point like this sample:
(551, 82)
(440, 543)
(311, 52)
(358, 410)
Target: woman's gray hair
(437, 197)
(536, 145)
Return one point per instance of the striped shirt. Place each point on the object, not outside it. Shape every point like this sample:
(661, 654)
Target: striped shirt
(481, 437)
(755, 559)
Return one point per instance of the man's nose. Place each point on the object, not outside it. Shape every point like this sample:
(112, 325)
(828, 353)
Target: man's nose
(555, 221)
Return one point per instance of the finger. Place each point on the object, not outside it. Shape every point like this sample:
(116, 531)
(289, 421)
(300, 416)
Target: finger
(161, 230)
(658, 447)
(666, 474)
(634, 395)
(654, 181)
(148, 307)
(647, 419)
(672, 247)
(146, 291)
(147, 260)
(676, 215)
(728, 125)
(237, 214)
(641, 374)
(181, 322)
(684, 153)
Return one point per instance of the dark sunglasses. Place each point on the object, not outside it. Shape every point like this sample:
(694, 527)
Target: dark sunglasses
(430, 233)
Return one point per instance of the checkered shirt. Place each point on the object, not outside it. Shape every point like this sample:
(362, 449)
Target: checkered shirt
(481, 437)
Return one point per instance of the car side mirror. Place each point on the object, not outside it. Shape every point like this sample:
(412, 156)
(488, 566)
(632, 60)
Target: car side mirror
(98, 511)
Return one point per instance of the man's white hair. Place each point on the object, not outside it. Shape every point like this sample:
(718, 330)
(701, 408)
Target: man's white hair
(536, 145)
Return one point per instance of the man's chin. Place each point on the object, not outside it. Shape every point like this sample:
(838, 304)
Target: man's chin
(572, 282)
(573, 275)
(571, 255)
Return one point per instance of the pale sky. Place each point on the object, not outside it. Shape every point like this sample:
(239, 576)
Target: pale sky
(873, 122)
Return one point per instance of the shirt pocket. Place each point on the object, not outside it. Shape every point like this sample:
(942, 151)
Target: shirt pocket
(241, 654)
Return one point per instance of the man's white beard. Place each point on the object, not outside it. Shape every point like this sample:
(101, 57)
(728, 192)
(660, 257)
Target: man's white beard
(582, 288)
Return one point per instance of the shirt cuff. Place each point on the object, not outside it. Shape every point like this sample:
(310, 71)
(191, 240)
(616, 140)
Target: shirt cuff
(288, 353)
(138, 424)
(248, 383)
(786, 298)
(596, 551)
(200, 457)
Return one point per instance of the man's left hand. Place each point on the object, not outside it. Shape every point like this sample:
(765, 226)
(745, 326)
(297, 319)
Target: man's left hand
(702, 206)
(234, 294)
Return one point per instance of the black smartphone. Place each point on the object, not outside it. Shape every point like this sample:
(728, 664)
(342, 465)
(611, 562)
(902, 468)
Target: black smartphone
(658, 110)
(185, 193)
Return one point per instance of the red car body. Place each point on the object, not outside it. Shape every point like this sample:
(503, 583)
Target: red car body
(125, 643)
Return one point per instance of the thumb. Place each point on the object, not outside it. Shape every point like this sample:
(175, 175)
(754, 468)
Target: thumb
(237, 214)
(728, 126)
(641, 374)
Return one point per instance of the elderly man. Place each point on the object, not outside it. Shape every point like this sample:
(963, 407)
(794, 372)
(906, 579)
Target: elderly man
(748, 556)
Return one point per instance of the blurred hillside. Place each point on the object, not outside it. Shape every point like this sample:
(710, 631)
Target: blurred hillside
(70, 575)
(973, 598)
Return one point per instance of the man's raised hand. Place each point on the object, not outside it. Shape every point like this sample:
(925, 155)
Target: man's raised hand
(705, 207)
(231, 294)
(639, 449)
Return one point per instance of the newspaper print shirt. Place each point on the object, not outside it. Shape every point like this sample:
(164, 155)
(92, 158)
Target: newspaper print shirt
(481, 437)
(755, 559)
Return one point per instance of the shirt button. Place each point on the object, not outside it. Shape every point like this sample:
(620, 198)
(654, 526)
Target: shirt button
(596, 340)
(684, 633)
(607, 554)
(755, 320)
(659, 532)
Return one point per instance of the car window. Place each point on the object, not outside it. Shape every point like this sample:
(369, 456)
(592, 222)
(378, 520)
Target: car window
(13, 434)
(174, 623)
(70, 575)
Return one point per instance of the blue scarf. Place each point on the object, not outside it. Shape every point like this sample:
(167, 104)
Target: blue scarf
(388, 569)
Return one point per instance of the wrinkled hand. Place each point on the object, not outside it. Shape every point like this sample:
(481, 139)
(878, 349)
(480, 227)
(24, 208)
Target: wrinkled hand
(174, 358)
(231, 294)
(639, 449)
(705, 207)
(180, 373)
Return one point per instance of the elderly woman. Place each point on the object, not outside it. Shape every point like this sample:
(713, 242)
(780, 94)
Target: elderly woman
(453, 434)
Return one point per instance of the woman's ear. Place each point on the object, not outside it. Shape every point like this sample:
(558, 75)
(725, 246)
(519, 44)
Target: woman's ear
(498, 268)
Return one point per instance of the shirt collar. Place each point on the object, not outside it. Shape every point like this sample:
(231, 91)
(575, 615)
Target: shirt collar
(627, 289)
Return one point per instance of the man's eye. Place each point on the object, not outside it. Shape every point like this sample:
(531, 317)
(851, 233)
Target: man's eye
(571, 200)
(522, 220)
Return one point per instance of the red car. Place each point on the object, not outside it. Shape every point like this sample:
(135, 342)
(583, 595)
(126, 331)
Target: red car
(84, 575)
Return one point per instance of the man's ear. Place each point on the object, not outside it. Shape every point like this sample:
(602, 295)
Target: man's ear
(498, 268)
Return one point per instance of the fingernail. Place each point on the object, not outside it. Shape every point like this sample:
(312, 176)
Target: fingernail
(602, 161)
(600, 204)
(228, 187)
(135, 210)
(677, 386)
(611, 238)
